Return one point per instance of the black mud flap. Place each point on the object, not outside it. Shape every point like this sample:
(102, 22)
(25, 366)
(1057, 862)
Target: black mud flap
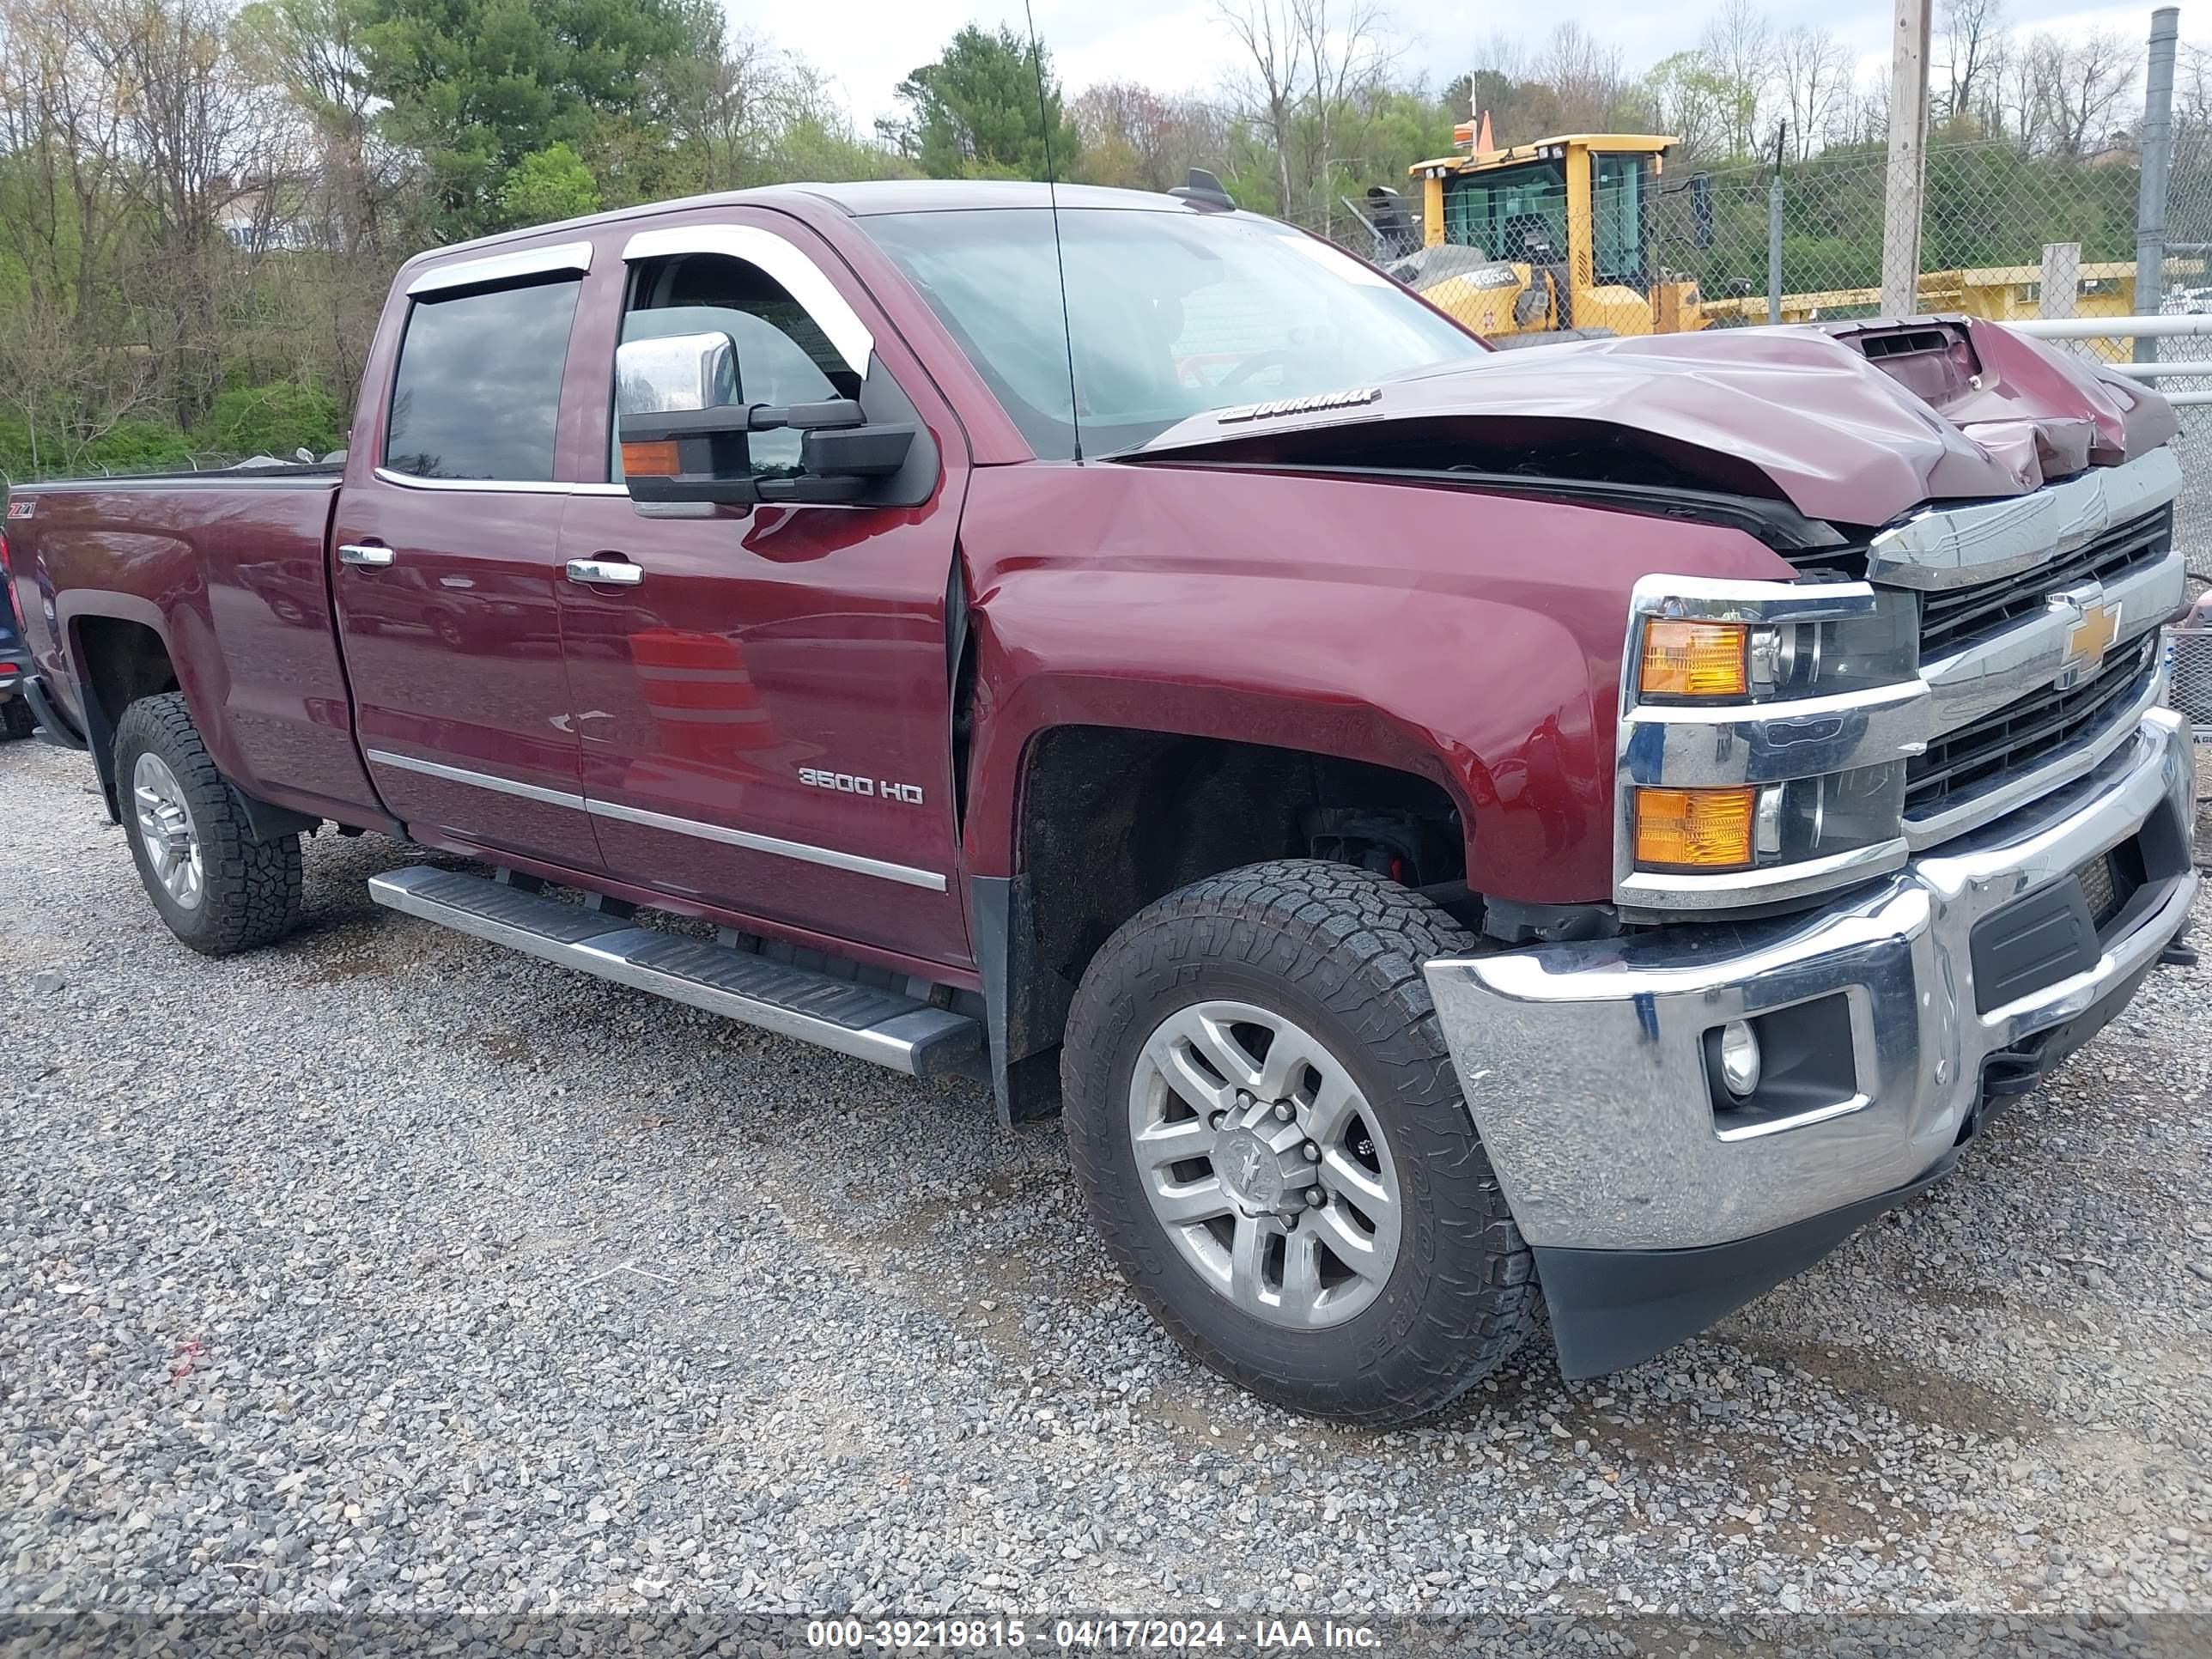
(52, 727)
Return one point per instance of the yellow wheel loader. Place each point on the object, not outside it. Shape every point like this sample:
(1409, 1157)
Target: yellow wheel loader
(1541, 241)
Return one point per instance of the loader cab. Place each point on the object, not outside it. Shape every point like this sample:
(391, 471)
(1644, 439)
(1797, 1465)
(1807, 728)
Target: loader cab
(1576, 212)
(1517, 213)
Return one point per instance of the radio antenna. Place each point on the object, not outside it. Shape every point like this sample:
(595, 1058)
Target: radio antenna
(1059, 254)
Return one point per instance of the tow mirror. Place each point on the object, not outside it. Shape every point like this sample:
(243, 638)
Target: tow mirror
(686, 432)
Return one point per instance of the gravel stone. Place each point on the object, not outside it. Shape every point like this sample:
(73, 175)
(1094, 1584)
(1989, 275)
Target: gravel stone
(387, 1270)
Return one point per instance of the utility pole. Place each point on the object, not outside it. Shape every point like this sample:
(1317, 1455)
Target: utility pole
(1774, 231)
(2157, 158)
(1908, 142)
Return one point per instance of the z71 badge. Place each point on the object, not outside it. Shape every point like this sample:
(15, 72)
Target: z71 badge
(846, 783)
(21, 509)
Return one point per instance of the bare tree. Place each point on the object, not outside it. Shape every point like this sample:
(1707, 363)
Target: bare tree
(734, 100)
(64, 196)
(2076, 88)
(1346, 59)
(1312, 62)
(1861, 115)
(200, 139)
(1269, 33)
(1814, 72)
(1684, 98)
(1132, 136)
(1738, 46)
(67, 394)
(1585, 72)
(1973, 47)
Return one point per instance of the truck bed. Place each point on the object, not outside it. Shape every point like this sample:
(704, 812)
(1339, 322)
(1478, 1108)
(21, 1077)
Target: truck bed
(232, 567)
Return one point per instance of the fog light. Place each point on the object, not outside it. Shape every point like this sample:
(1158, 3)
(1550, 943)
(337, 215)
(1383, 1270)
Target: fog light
(1739, 1058)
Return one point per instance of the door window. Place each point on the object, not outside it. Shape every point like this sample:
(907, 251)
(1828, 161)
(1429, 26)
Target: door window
(477, 395)
(783, 356)
(1617, 207)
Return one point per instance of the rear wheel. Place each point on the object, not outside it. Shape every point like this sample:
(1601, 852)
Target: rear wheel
(219, 889)
(16, 720)
(1268, 1130)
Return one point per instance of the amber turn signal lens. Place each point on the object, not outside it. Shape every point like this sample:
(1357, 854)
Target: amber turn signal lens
(1694, 828)
(1694, 659)
(656, 460)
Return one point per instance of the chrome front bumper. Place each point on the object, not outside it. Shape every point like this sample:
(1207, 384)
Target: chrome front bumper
(1585, 1064)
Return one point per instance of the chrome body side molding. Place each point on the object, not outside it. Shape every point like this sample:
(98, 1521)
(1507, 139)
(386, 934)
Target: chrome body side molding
(804, 852)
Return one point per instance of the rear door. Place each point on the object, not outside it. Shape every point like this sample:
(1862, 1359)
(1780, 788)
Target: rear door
(764, 699)
(447, 534)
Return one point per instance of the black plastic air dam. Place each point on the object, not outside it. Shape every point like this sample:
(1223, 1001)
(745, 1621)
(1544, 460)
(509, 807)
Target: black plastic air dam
(1613, 1308)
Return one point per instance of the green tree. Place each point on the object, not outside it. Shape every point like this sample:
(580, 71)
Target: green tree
(474, 86)
(547, 184)
(987, 108)
(271, 420)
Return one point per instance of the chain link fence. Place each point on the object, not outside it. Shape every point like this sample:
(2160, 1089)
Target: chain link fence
(2004, 234)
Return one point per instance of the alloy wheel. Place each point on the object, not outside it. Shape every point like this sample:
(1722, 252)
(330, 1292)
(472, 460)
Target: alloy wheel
(166, 829)
(1265, 1163)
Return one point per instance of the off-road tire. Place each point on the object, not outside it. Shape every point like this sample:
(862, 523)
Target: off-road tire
(1339, 949)
(16, 720)
(251, 894)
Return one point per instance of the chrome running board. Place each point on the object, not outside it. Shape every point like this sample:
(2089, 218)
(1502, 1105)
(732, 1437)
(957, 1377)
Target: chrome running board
(863, 1021)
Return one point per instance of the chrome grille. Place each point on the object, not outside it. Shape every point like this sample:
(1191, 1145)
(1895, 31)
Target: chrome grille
(2022, 735)
(1952, 618)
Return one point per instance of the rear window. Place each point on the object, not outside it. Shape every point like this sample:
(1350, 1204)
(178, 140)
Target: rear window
(478, 392)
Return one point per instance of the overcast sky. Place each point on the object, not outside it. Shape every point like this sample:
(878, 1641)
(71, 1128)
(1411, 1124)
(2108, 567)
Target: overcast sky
(868, 46)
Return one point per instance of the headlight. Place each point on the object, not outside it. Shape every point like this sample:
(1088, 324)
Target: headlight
(1788, 823)
(1682, 660)
(1694, 828)
(1694, 659)
(1764, 732)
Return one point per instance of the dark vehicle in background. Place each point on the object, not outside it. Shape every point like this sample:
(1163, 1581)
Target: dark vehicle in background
(16, 720)
(1462, 834)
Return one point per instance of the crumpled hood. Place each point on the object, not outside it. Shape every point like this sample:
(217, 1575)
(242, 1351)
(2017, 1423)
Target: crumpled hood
(1843, 439)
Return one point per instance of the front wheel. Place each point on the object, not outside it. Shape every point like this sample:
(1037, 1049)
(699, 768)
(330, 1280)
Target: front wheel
(219, 889)
(1268, 1129)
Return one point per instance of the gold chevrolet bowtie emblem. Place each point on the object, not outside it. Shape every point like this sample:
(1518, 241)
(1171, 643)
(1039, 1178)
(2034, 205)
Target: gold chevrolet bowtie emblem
(2088, 640)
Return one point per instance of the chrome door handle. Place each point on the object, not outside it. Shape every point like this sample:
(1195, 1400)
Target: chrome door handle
(373, 558)
(618, 572)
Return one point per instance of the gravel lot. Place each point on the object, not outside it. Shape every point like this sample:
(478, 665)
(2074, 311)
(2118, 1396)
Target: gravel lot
(388, 1269)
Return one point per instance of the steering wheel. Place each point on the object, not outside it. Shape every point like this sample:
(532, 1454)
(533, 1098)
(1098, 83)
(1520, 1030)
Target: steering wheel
(1253, 364)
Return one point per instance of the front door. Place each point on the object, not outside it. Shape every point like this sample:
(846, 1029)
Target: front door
(447, 561)
(763, 698)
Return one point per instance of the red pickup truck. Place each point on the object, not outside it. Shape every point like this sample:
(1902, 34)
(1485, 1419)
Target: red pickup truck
(1462, 833)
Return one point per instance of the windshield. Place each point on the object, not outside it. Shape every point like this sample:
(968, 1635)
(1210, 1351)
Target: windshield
(1172, 314)
(1518, 213)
